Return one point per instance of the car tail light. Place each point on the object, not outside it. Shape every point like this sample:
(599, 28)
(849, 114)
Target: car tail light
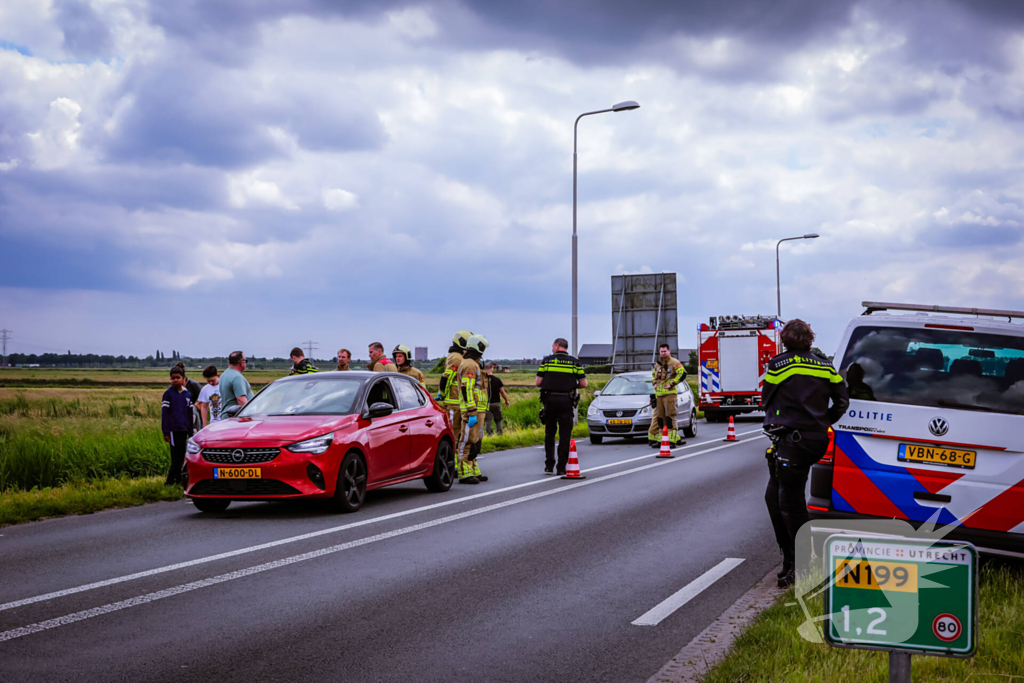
(830, 453)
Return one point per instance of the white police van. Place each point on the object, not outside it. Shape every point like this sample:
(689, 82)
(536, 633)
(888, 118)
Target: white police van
(935, 424)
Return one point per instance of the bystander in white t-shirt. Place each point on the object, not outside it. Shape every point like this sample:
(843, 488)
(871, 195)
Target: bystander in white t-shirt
(211, 396)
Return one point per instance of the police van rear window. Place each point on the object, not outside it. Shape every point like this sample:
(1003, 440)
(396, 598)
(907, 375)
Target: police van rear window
(944, 368)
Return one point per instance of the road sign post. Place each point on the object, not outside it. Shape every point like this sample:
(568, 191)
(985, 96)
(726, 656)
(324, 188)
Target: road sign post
(906, 596)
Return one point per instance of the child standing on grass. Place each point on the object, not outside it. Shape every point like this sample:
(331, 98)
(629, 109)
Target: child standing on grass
(176, 422)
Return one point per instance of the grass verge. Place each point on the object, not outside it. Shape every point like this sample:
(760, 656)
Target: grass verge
(770, 650)
(80, 498)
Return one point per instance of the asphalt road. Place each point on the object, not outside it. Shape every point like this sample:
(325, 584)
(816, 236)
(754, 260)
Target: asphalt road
(525, 577)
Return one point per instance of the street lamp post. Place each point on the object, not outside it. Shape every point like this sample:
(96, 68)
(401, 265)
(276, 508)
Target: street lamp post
(628, 105)
(778, 286)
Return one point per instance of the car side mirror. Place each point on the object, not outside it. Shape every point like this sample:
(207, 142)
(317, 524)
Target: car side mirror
(231, 411)
(597, 393)
(381, 409)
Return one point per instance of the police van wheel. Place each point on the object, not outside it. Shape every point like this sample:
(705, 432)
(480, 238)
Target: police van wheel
(596, 440)
(443, 476)
(211, 504)
(690, 431)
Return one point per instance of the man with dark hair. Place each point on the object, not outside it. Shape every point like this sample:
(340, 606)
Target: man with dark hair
(666, 375)
(797, 390)
(209, 397)
(559, 377)
(300, 364)
(176, 422)
(234, 388)
(378, 361)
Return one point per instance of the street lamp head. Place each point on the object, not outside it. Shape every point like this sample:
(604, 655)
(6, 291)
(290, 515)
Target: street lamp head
(811, 236)
(625, 106)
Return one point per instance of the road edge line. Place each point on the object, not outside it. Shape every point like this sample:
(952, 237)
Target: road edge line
(712, 644)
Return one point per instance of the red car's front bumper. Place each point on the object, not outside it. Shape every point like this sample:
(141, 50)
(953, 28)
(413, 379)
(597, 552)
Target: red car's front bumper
(286, 476)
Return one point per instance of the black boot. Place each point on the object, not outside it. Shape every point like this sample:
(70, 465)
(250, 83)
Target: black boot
(787, 567)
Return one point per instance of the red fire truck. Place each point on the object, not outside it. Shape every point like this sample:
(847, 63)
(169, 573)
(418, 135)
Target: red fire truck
(733, 354)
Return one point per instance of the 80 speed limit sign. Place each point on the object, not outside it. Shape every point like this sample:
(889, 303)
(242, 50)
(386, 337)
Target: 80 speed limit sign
(946, 627)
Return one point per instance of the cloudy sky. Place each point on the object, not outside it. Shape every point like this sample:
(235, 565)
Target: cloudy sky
(214, 174)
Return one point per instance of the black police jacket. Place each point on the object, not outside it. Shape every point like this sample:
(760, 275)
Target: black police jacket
(797, 390)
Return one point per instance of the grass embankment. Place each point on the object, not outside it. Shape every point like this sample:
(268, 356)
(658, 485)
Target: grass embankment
(83, 497)
(770, 650)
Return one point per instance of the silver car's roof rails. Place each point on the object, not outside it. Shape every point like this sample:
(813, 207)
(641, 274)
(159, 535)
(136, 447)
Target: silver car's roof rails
(874, 306)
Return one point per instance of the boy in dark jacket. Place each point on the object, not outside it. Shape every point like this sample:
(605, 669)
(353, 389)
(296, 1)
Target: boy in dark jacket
(176, 422)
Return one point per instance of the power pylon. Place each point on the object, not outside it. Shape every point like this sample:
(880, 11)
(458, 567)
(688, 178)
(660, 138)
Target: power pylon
(5, 336)
(310, 346)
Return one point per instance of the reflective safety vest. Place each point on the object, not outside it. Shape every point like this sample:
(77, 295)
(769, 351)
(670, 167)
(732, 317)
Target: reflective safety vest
(469, 376)
(450, 380)
(667, 375)
(483, 390)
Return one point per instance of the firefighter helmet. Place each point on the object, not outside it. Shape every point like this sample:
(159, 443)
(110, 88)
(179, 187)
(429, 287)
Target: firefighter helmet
(402, 348)
(478, 343)
(461, 338)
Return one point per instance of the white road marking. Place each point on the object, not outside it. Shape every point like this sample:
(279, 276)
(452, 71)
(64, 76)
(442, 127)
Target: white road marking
(666, 607)
(249, 571)
(304, 537)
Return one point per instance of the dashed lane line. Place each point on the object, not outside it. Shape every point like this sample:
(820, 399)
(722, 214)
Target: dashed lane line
(666, 607)
(304, 537)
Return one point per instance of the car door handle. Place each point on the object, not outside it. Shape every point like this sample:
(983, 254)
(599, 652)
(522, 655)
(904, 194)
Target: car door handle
(932, 497)
(430, 423)
(403, 428)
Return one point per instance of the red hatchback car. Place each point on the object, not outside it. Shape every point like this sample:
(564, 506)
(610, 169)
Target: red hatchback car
(330, 435)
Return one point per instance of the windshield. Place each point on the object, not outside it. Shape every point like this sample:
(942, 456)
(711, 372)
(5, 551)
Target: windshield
(629, 386)
(936, 367)
(319, 396)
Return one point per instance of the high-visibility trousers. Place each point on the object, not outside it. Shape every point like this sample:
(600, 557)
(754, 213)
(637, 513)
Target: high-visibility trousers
(471, 438)
(664, 416)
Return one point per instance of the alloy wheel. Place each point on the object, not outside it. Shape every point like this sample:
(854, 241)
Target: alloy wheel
(355, 482)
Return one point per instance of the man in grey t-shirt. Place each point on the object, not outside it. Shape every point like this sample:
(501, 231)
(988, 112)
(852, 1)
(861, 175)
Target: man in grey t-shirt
(234, 388)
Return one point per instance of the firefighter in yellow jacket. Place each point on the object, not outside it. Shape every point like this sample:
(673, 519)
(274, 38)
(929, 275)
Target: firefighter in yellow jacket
(403, 359)
(448, 397)
(668, 372)
(473, 405)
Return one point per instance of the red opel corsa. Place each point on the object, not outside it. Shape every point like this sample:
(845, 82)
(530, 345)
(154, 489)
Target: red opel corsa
(330, 435)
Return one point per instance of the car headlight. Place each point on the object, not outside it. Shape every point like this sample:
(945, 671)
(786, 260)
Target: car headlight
(646, 410)
(192, 447)
(316, 445)
(592, 410)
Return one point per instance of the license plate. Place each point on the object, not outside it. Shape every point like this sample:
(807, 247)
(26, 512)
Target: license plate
(620, 422)
(876, 575)
(938, 455)
(236, 473)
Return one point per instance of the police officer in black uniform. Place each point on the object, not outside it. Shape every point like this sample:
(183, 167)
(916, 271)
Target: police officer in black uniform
(559, 377)
(797, 390)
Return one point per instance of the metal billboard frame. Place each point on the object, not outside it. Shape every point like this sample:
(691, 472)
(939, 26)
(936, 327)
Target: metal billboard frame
(644, 315)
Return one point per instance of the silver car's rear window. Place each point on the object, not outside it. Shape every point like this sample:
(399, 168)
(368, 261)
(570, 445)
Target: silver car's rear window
(946, 368)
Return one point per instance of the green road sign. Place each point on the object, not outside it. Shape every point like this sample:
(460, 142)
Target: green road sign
(902, 594)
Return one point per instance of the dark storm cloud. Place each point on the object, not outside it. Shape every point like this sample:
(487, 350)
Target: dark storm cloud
(85, 34)
(188, 111)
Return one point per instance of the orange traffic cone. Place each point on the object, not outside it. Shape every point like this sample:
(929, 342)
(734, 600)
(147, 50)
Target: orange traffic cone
(731, 435)
(665, 451)
(572, 468)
